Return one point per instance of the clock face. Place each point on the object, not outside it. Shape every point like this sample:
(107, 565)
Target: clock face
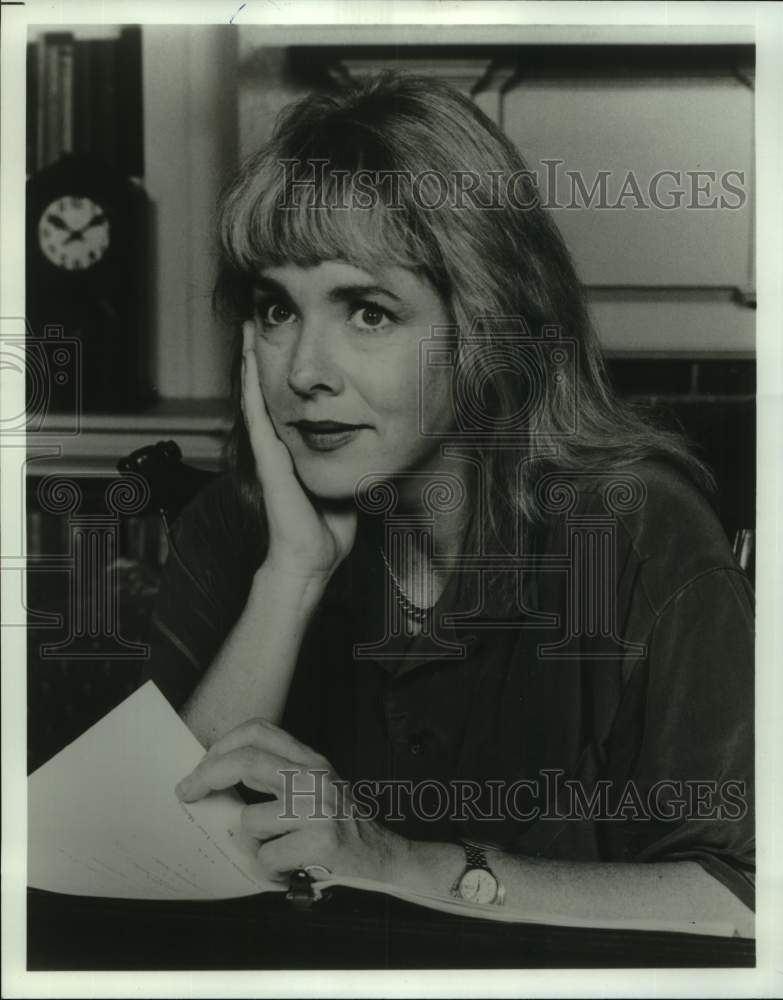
(73, 233)
(478, 886)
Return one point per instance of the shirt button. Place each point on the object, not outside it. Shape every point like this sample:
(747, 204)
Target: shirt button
(416, 749)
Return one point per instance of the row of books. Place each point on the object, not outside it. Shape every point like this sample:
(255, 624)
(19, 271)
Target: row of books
(139, 539)
(85, 96)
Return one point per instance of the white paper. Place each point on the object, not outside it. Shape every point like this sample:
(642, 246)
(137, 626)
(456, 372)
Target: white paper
(487, 911)
(104, 819)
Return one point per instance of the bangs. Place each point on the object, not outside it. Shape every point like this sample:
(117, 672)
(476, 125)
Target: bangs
(305, 213)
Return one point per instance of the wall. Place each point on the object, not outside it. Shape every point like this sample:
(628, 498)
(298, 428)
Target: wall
(190, 124)
(677, 281)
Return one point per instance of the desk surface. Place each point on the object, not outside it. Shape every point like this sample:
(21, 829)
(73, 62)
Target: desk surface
(350, 930)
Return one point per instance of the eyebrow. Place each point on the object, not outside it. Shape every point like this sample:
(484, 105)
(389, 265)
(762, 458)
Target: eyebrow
(340, 293)
(343, 292)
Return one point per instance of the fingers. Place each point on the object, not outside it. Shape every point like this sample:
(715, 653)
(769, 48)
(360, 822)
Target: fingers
(252, 399)
(265, 735)
(257, 753)
(312, 844)
(287, 843)
(268, 820)
(256, 768)
(343, 523)
(271, 455)
(274, 465)
(260, 428)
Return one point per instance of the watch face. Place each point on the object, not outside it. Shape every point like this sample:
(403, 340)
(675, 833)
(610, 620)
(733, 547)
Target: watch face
(73, 233)
(478, 885)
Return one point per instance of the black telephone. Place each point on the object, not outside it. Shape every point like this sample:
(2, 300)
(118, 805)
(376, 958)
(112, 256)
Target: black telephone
(172, 483)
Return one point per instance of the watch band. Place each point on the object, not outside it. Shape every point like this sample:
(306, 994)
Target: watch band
(471, 887)
(475, 856)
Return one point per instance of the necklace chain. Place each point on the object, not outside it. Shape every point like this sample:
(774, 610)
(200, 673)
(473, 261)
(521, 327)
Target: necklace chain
(415, 611)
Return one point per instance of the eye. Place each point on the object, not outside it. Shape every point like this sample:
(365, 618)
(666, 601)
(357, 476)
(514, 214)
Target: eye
(274, 313)
(368, 316)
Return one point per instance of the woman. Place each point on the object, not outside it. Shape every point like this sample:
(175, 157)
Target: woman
(453, 599)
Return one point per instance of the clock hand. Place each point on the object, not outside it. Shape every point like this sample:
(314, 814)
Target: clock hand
(96, 220)
(55, 221)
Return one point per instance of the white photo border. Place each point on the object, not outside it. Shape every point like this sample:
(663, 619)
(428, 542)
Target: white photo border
(737, 22)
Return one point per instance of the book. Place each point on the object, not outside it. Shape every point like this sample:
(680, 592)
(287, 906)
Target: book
(59, 62)
(130, 148)
(104, 821)
(103, 99)
(82, 137)
(32, 108)
(85, 96)
(34, 545)
(65, 54)
(40, 102)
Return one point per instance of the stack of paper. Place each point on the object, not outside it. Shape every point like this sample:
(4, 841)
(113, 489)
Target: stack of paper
(104, 820)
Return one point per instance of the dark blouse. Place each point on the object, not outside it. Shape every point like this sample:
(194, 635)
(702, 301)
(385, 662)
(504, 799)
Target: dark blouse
(610, 716)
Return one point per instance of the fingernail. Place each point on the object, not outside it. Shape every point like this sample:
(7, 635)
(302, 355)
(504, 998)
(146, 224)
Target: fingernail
(183, 788)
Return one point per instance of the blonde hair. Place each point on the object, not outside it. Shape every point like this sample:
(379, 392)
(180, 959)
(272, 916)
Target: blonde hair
(498, 268)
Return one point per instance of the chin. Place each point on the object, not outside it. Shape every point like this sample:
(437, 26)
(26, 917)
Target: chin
(329, 480)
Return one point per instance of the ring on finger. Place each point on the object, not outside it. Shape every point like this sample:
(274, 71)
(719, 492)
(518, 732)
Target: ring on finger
(318, 873)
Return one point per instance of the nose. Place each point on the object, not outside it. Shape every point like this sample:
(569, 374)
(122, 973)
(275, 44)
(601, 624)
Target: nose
(313, 367)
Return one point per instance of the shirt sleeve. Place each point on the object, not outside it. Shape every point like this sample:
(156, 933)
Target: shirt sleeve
(695, 765)
(212, 556)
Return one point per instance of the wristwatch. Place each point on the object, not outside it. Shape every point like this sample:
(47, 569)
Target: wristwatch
(478, 883)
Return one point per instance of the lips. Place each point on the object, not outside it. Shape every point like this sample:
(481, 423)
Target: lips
(325, 426)
(326, 435)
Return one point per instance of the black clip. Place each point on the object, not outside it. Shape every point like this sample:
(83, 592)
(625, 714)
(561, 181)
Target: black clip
(300, 890)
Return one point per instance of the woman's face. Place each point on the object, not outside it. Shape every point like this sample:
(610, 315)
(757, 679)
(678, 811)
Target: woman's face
(338, 361)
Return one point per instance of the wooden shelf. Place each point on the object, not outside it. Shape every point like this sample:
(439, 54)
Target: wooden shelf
(95, 442)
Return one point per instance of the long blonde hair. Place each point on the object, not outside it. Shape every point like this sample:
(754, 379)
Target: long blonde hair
(499, 265)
